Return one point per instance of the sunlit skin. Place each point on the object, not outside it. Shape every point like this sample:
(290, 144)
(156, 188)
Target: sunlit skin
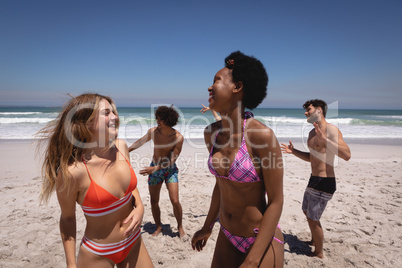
(110, 171)
(325, 141)
(204, 109)
(241, 206)
(104, 126)
(167, 147)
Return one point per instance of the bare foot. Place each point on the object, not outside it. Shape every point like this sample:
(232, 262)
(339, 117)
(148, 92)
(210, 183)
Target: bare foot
(313, 254)
(158, 231)
(181, 232)
(310, 243)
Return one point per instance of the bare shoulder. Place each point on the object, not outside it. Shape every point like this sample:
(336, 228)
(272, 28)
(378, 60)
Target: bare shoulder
(257, 132)
(121, 144)
(260, 138)
(179, 136)
(152, 130)
(332, 130)
(151, 133)
(77, 172)
(209, 131)
(212, 128)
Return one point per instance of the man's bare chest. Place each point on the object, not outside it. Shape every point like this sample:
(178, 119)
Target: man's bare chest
(316, 144)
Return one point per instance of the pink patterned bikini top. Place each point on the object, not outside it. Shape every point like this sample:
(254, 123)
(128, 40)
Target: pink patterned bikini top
(242, 169)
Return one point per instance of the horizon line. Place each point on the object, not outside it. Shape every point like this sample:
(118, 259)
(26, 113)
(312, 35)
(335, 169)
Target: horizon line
(188, 107)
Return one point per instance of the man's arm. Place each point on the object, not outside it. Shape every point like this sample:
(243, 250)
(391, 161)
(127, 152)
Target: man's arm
(335, 142)
(176, 149)
(174, 154)
(147, 137)
(289, 149)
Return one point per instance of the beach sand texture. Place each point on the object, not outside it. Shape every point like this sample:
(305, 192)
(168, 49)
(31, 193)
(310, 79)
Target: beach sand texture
(362, 223)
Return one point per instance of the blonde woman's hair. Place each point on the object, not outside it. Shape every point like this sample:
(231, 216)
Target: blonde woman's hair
(67, 137)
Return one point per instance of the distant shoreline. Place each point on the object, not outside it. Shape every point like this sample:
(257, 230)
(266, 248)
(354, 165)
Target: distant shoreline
(368, 141)
(182, 107)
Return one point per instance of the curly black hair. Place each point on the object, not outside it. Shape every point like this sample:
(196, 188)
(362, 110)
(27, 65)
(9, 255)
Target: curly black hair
(251, 72)
(317, 103)
(168, 115)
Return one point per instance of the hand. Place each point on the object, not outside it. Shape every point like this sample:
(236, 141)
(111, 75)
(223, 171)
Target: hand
(287, 148)
(319, 133)
(203, 110)
(148, 170)
(136, 219)
(200, 239)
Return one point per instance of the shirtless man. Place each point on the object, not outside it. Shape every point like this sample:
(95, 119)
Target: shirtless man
(168, 143)
(325, 142)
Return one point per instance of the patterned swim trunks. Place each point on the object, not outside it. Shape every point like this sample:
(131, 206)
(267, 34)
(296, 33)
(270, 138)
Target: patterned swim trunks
(169, 175)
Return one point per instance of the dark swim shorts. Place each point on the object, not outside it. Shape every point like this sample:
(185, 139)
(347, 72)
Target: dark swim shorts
(318, 192)
(167, 175)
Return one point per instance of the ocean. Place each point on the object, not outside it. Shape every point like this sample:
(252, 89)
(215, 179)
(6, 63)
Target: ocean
(384, 126)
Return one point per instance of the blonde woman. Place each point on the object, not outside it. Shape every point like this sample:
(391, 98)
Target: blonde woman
(85, 164)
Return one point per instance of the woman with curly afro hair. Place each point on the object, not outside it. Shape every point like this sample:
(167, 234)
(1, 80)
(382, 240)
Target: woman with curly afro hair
(245, 157)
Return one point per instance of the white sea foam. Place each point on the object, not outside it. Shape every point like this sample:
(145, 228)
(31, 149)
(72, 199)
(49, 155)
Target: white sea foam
(398, 117)
(342, 121)
(280, 119)
(269, 120)
(19, 113)
(135, 123)
(21, 120)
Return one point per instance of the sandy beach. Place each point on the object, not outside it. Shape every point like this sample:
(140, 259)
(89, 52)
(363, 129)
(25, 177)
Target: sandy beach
(362, 223)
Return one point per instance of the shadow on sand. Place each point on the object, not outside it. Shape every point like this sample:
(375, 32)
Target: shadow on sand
(166, 229)
(296, 245)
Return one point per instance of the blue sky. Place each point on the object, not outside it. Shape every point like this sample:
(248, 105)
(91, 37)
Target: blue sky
(144, 52)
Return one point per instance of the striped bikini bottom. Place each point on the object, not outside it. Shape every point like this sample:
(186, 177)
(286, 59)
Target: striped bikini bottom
(244, 243)
(116, 252)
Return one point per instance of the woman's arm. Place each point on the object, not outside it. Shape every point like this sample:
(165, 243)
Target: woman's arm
(67, 200)
(137, 214)
(200, 238)
(216, 115)
(272, 173)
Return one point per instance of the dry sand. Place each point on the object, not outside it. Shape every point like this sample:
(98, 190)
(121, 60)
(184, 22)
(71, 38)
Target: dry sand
(362, 223)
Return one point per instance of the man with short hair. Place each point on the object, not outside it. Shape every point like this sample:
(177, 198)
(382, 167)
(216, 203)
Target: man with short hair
(325, 141)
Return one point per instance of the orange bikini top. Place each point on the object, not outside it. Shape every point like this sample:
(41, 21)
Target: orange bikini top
(99, 202)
